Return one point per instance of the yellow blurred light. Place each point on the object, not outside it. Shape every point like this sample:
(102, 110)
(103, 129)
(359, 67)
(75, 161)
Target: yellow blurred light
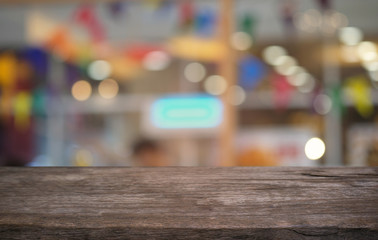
(238, 95)
(285, 64)
(322, 104)
(194, 72)
(272, 53)
(350, 36)
(215, 85)
(81, 90)
(108, 88)
(83, 158)
(156, 61)
(314, 148)
(241, 41)
(367, 51)
(99, 70)
(201, 49)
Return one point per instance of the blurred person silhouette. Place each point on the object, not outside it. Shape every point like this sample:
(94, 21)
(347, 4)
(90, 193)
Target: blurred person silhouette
(149, 153)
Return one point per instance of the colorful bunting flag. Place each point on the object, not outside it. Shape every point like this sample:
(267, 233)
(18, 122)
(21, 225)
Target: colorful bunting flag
(22, 104)
(282, 91)
(360, 92)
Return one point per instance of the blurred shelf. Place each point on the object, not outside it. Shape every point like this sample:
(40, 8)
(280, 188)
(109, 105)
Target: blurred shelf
(262, 100)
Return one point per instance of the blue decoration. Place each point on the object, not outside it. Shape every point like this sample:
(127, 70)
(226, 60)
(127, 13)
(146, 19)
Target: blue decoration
(205, 22)
(251, 71)
(190, 111)
(38, 59)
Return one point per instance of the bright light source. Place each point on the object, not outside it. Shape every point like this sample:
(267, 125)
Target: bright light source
(314, 148)
(272, 53)
(183, 112)
(371, 66)
(81, 90)
(241, 41)
(322, 104)
(238, 95)
(99, 70)
(285, 64)
(194, 72)
(156, 61)
(108, 88)
(350, 35)
(215, 85)
(367, 51)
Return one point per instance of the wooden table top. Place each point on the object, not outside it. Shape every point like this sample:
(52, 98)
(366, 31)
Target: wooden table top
(189, 203)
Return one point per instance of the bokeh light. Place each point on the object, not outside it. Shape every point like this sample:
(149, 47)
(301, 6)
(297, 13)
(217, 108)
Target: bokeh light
(350, 35)
(241, 41)
(349, 54)
(108, 88)
(371, 66)
(285, 65)
(238, 95)
(298, 78)
(81, 90)
(99, 70)
(309, 84)
(322, 104)
(156, 61)
(194, 72)
(314, 148)
(215, 85)
(272, 53)
(367, 51)
(83, 158)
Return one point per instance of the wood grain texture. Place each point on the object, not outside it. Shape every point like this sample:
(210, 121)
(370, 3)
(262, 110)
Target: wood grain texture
(189, 203)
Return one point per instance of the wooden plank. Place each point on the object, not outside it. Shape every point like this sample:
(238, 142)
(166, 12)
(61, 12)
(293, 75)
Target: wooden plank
(188, 203)
(227, 69)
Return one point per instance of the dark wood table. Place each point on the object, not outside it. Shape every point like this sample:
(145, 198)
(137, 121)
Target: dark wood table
(189, 203)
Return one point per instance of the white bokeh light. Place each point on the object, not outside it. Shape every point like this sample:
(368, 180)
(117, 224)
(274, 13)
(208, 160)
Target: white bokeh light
(314, 148)
(241, 41)
(215, 85)
(350, 35)
(272, 53)
(99, 70)
(194, 72)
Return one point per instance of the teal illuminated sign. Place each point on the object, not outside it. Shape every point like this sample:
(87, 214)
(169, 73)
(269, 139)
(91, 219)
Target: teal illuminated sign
(188, 111)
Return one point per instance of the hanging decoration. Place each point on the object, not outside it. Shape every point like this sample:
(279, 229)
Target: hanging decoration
(205, 21)
(38, 59)
(117, 8)
(251, 71)
(282, 91)
(325, 4)
(288, 10)
(360, 93)
(22, 103)
(247, 24)
(86, 16)
(186, 14)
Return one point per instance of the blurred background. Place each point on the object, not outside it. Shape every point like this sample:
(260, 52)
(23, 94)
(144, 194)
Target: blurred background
(189, 83)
